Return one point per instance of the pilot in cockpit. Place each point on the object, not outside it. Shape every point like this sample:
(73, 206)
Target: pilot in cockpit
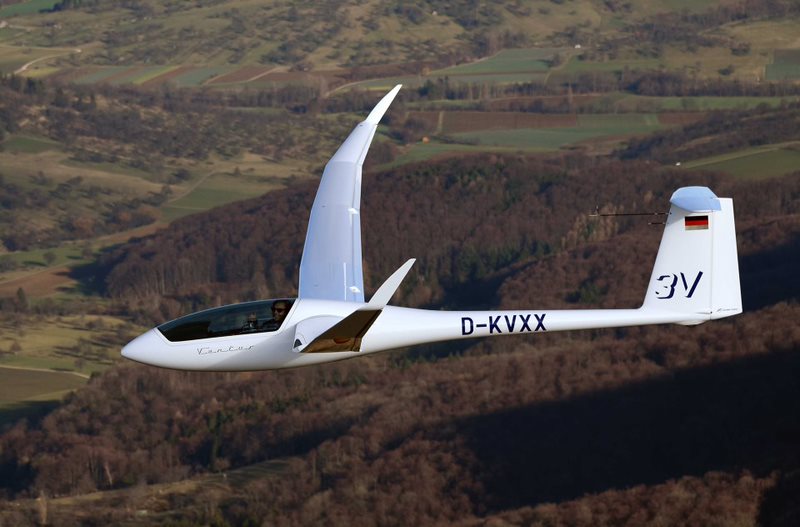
(279, 310)
(251, 324)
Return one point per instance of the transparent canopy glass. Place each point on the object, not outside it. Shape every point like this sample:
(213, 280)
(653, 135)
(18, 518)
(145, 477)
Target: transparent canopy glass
(236, 319)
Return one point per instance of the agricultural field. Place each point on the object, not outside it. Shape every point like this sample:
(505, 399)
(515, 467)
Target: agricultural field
(633, 103)
(17, 384)
(43, 358)
(83, 194)
(225, 45)
(35, 259)
(27, 144)
(786, 65)
(470, 132)
(58, 167)
(588, 127)
(421, 152)
(505, 67)
(577, 65)
(77, 343)
(243, 177)
(761, 162)
(25, 392)
(241, 75)
(415, 81)
(31, 7)
(507, 61)
(175, 75)
(16, 59)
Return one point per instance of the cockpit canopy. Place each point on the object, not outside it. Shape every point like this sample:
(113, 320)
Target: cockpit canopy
(237, 319)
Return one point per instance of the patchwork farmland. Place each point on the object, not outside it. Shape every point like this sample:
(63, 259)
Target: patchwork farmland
(785, 66)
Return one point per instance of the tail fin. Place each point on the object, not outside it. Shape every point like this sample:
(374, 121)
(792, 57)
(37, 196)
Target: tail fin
(697, 268)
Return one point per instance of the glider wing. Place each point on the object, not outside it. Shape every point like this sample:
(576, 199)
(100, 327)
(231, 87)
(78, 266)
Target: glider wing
(330, 268)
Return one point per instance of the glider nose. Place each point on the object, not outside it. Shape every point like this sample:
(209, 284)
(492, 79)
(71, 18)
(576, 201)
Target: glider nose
(143, 348)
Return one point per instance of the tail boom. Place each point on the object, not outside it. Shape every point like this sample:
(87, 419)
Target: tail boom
(399, 327)
(695, 278)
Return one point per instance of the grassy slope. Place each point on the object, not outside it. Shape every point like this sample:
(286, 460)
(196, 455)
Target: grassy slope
(47, 342)
(761, 162)
(28, 7)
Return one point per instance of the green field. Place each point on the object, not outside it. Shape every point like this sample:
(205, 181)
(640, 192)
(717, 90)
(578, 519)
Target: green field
(425, 151)
(753, 163)
(76, 343)
(202, 199)
(27, 8)
(690, 5)
(24, 393)
(589, 127)
(26, 144)
(10, 33)
(112, 168)
(198, 76)
(412, 81)
(629, 102)
(785, 66)
(152, 73)
(116, 75)
(218, 189)
(100, 75)
(506, 61)
(31, 385)
(66, 254)
(575, 65)
(12, 58)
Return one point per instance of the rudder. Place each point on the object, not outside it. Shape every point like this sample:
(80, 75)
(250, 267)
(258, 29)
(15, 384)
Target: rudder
(697, 269)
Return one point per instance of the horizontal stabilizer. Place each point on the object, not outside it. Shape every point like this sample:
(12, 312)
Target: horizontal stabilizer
(696, 199)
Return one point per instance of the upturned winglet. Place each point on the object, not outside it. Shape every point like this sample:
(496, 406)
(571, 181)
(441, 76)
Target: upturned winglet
(376, 114)
(331, 267)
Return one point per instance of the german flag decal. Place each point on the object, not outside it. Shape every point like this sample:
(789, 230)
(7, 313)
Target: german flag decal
(696, 223)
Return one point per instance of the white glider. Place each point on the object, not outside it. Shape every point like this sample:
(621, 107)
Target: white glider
(695, 278)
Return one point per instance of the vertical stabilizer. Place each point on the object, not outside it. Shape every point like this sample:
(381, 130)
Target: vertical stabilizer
(697, 268)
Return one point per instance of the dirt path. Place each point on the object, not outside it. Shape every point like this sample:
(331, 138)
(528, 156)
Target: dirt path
(48, 370)
(63, 51)
(439, 123)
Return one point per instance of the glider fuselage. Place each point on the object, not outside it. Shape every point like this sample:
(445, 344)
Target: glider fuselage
(395, 327)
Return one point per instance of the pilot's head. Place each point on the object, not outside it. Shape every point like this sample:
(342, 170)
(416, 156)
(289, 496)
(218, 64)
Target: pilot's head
(279, 310)
(252, 319)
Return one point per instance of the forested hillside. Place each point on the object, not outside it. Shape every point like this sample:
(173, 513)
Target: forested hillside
(458, 433)
(468, 220)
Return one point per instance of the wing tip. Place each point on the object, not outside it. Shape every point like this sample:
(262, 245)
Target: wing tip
(377, 113)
